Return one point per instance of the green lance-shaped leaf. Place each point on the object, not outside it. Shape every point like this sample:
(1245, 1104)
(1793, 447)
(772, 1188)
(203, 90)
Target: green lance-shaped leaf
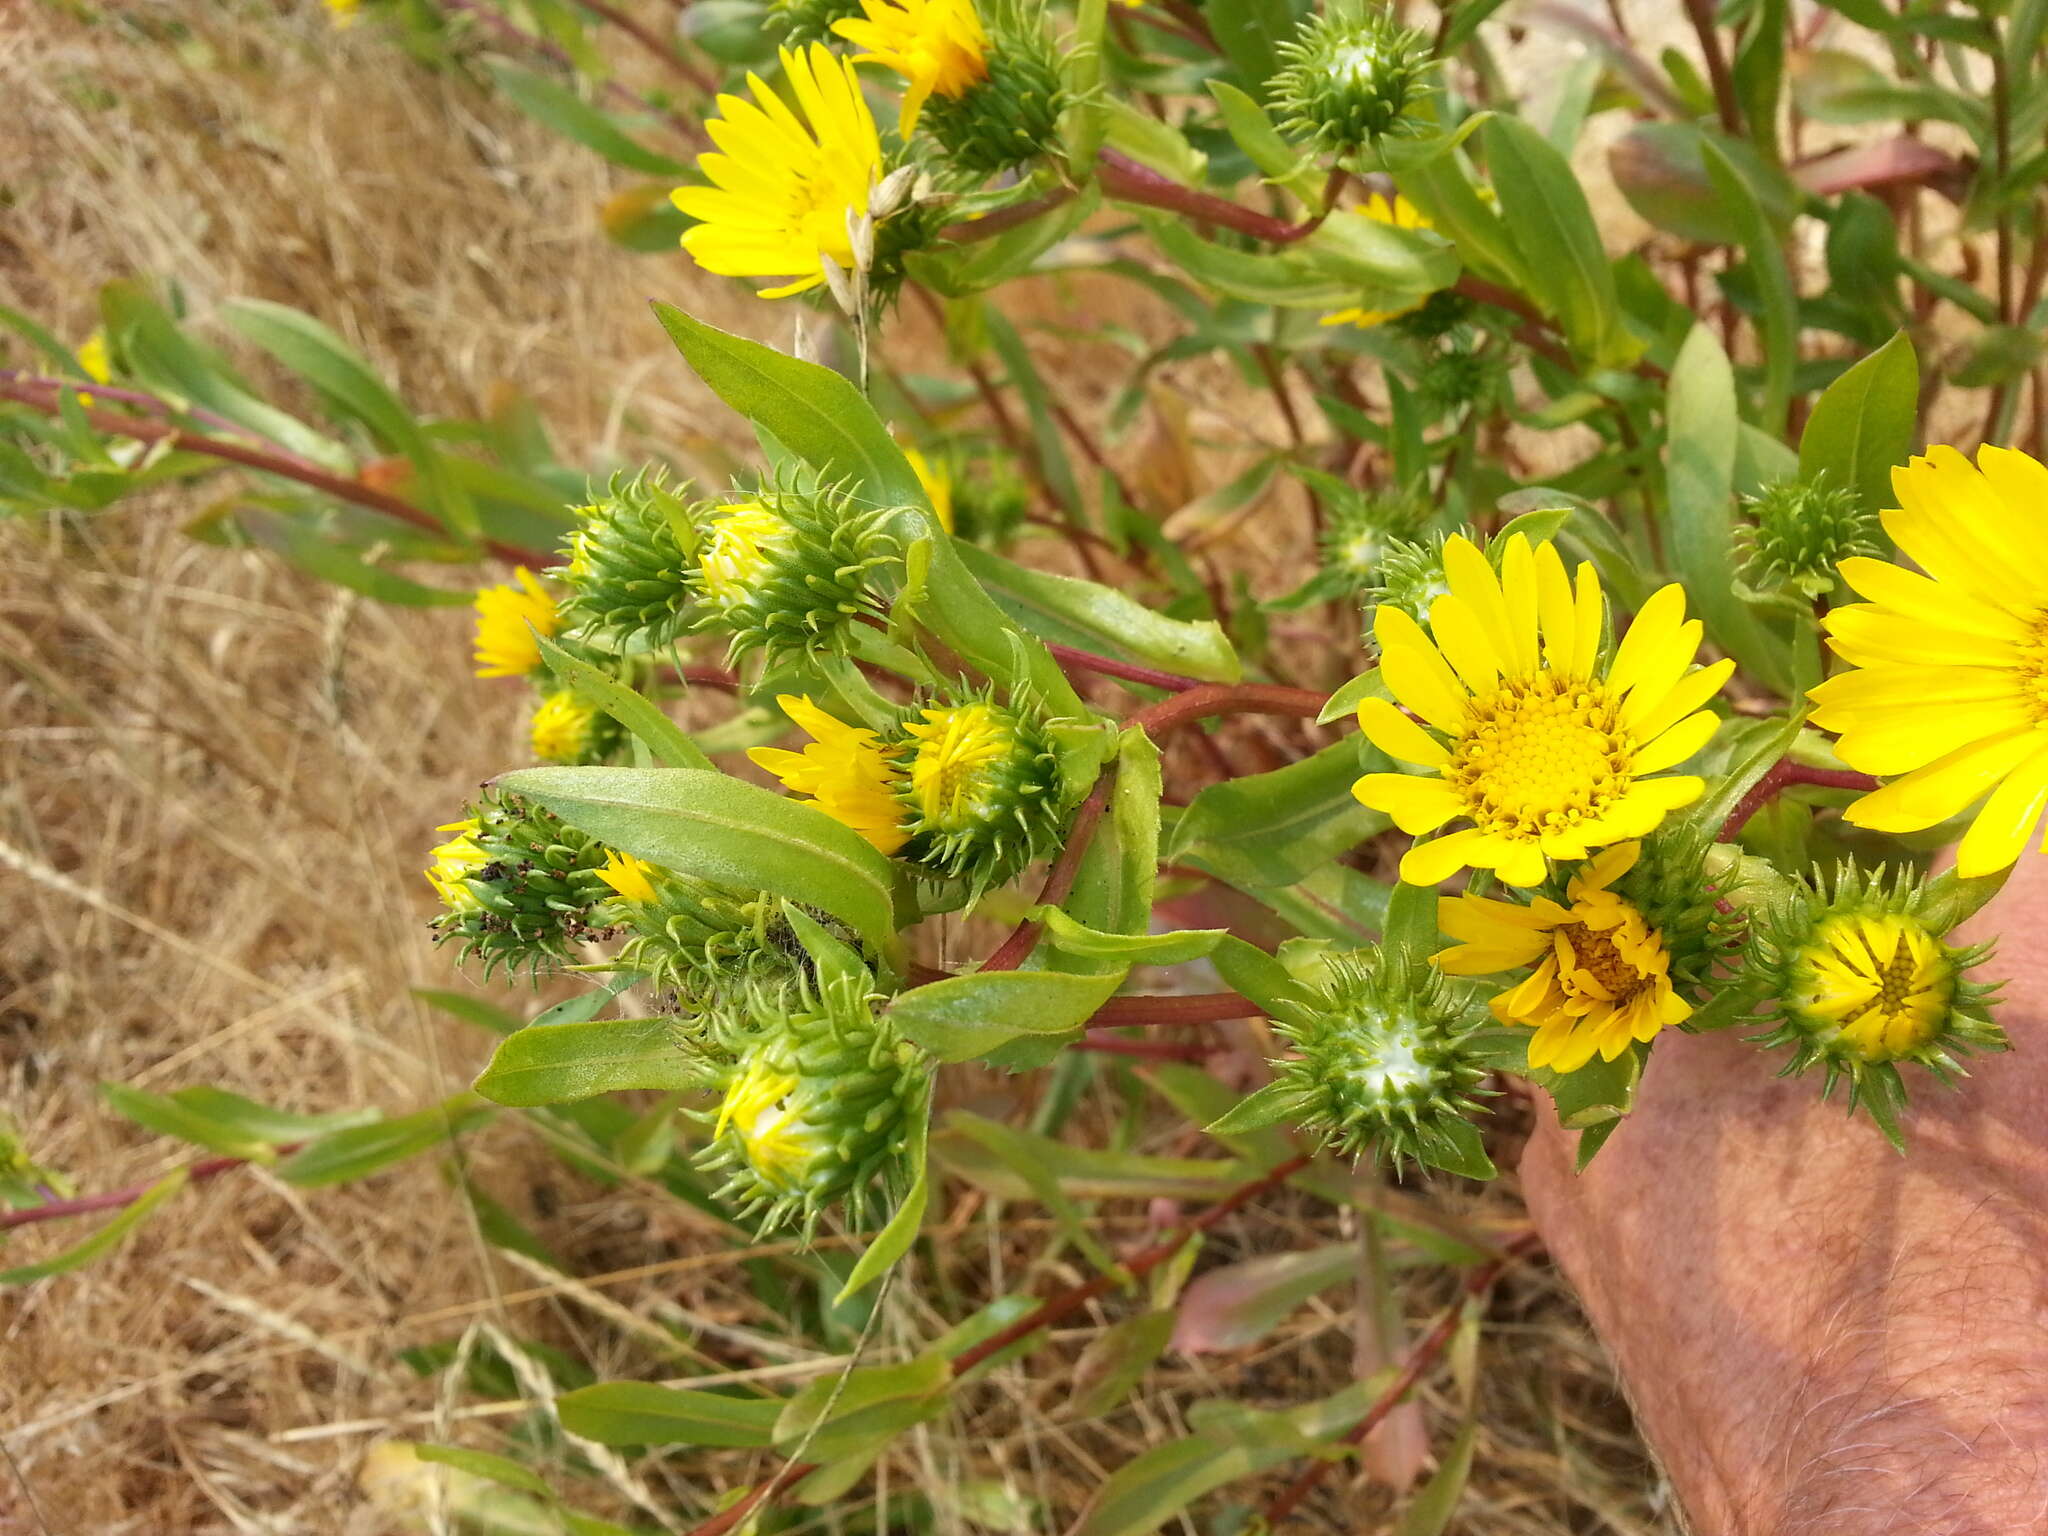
(1276, 828)
(724, 830)
(1700, 475)
(105, 1240)
(166, 1115)
(641, 1413)
(1778, 305)
(562, 110)
(1093, 617)
(1558, 242)
(557, 1063)
(1251, 128)
(873, 1404)
(362, 1150)
(1862, 424)
(669, 743)
(963, 1017)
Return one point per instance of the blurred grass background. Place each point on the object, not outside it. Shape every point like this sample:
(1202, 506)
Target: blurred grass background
(217, 780)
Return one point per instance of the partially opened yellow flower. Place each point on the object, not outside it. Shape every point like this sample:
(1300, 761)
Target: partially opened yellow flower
(1545, 753)
(745, 543)
(845, 772)
(507, 618)
(1398, 213)
(937, 46)
(631, 879)
(94, 359)
(454, 862)
(767, 1112)
(1604, 980)
(786, 191)
(1950, 687)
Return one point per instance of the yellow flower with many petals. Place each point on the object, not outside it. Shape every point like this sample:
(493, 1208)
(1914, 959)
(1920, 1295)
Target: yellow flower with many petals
(1950, 680)
(632, 879)
(454, 862)
(938, 486)
(562, 728)
(745, 544)
(765, 1111)
(94, 359)
(785, 190)
(845, 771)
(937, 46)
(507, 618)
(1604, 979)
(1544, 752)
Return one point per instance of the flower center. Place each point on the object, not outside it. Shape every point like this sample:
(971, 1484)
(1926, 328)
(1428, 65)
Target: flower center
(1541, 754)
(953, 771)
(1597, 956)
(2032, 668)
(818, 205)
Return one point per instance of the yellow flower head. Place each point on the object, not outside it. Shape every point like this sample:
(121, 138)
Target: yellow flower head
(1396, 211)
(94, 359)
(956, 768)
(561, 728)
(454, 861)
(845, 771)
(937, 481)
(783, 194)
(1542, 750)
(1882, 979)
(507, 618)
(744, 546)
(1949, 687)
(937, 46)
(1604, 980)
(342, 13)
(1365, 319)
(632, 879)
(767, 1113)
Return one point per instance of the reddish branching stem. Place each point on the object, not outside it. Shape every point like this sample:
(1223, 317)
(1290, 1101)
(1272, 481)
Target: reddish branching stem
(120, 1199)
(1211, 699)
(1169, 1011)
(1783, 775)
(1072, 660)
(1419, 1360)
(1126, 180)
(269, 461)
(1059, 880)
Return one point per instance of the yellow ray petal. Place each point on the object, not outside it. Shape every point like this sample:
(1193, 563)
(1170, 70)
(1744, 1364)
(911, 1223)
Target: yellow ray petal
(1462, 639)
(1999, 832)
(1930, 795)
(1651, 632)
(1678, 743)
(1434, 862)
(1417, 804)
(1398, 736)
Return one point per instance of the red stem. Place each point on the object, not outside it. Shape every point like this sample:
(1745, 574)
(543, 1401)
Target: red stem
(1782, 775)
(119, 1199)
(699, 81)
(1419, 1360)
(1087, 661)
(1126, 180)
(270, 463)
(1228, 699)
(1168, 1011)
(1059, 880)
(967, 231)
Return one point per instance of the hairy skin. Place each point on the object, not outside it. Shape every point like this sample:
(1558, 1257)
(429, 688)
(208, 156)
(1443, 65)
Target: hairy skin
(1823, 1338)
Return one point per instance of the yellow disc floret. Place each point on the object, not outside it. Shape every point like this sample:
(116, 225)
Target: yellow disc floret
(1542, 750)
(507, 619)
(785, 190)
(1602, 977)
(845, 771)
(937, 46)
(1949, 680)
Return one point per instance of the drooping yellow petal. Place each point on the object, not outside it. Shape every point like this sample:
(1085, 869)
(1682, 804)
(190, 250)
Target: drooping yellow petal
(1398, 736)
(1417, 804)
(1998, 833)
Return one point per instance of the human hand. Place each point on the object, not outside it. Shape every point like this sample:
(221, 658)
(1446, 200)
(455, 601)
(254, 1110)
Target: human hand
(1819, 1335)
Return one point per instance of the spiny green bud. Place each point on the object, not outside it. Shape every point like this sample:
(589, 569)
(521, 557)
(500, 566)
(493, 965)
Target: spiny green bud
(1011, 117)
(566, 730)
(1384, 1063)
(989, 501)
(819, 1100)
(628, 567)
(1350, 77)
(1410, 577)
(809, 21)
(1804, 530)
(1457, 377)
(787, 570)
(1857, 979)
(1698, 898)
(700, 939)
(1363, 527)
(980, 788)
(517, 884)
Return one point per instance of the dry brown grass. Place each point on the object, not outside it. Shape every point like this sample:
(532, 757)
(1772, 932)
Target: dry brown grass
(216, 780)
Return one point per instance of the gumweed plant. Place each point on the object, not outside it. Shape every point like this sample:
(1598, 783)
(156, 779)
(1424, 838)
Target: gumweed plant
(1665, 738)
